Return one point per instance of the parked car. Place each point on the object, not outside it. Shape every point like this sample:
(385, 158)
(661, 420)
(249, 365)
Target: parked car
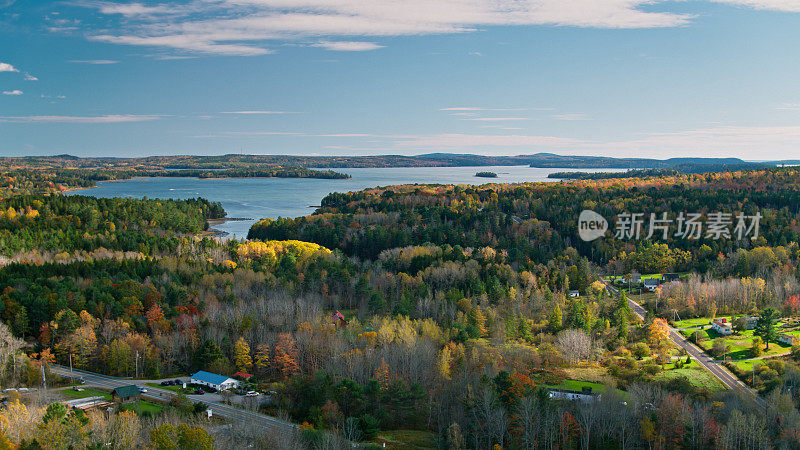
(76, 388)
(251, 394)
(178, 382)
(166, 383)
(142, 389)
(199, 392)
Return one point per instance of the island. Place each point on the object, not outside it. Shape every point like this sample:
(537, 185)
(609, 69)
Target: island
(486, 175)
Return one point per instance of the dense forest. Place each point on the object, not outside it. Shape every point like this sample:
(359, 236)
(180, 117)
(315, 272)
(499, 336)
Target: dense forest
(447, 313)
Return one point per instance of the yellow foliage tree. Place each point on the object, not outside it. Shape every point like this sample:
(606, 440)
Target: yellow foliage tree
(241, 355)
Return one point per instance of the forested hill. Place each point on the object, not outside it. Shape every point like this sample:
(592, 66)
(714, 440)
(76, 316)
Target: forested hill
(250, 162)
(532, 222)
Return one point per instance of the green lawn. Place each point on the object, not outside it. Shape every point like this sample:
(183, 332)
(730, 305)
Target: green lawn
(577, 385)
(696, 375)
(691, 322)
(145, 407)
(86, 392)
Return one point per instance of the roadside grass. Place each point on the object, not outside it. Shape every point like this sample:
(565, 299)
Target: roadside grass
(691, 322)
(406, 439)
(86, 392)
(697, 376)
(144, 407)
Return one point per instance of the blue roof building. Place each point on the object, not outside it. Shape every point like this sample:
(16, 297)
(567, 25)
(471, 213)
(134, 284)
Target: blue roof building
(212, 380)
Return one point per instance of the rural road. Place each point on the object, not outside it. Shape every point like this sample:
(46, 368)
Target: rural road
(217, 408)
(716, 369)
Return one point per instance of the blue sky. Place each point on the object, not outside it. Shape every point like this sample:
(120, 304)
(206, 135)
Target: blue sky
(355, 77)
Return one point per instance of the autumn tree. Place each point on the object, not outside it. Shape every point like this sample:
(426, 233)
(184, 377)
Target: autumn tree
(285, 359)
(241, 355)
(261, 360)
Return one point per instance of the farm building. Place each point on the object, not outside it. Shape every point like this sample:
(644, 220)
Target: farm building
(722, 326)
(126, 394)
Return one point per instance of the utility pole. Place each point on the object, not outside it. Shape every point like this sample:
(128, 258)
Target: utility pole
(44, 380)
(136, 370)
(71, 373)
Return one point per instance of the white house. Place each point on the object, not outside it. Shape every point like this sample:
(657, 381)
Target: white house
(722, 326)
(212, 380)
(574, 294)
(652, 283)
(787, 339)
(582, 396)
(752, 321)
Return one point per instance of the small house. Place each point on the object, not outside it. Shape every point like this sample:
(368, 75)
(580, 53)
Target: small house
(337, 318)
(214, 381)
(722, 326)
(126, 394)
(751, 321)
(787, 339)
(667, 277)
(652, 283)
(574, 294)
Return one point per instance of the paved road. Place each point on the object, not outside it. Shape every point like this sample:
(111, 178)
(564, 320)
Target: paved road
(716, 369)
(218, 408)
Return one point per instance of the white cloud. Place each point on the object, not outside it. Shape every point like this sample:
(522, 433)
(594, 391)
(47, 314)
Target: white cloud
(789, 107)
(111, 118)
(744, 141)
(348, 46)
(5, 67)
(496, 119)
(29, 77)
(454, 141)
(475, 108)
(14, 92)
(570, 117)
(242, 27)
(93, 61)
(258, 112)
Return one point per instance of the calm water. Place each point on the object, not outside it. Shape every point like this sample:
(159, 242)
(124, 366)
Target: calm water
(256, 198)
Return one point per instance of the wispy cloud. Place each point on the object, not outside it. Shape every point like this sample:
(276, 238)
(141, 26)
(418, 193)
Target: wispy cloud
(111, 118)
(5, 67)
(570, 117)
(246, 27)
(789, 107)
(14, 92)
(93, 61)
(256, 112)
(454, 141)
(348, 46)
(496, 119)
(475, 108)
(29, 77)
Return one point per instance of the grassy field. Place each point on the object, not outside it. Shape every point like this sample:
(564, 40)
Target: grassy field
(697, 376)
(691, 322)
(86, 392)
(406, 439)
(145, 407)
